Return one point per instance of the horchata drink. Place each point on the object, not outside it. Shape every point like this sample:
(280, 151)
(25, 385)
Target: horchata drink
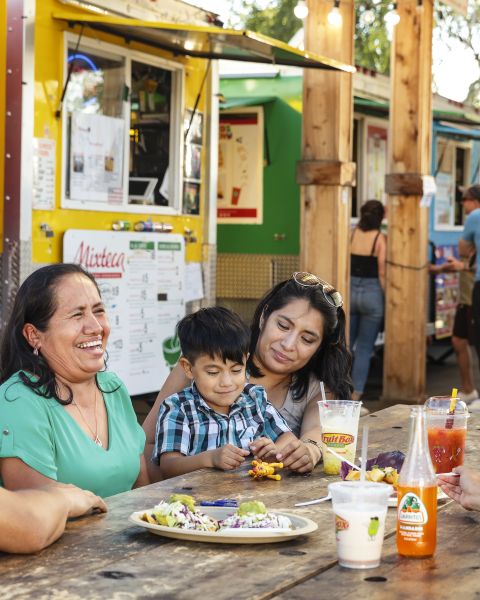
(360, 510)
(339, 423)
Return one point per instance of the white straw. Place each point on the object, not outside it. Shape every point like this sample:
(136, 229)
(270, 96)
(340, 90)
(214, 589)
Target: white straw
(322, 390)
(342, 458)
(364, 452)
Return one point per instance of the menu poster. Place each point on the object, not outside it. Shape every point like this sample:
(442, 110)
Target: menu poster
(141, 277)
(43, 196)
(446, 293)
(376, 161)
(444, 214)
(96, 158)
(240, 166)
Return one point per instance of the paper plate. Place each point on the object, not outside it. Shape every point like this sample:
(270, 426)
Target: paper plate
(301, 526)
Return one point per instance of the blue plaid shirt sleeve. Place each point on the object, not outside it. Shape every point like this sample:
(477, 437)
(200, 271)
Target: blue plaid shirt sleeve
(173, 431)
(274, 423)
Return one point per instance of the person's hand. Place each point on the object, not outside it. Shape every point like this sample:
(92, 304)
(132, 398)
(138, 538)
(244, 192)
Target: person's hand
(464, 489)
(263, 447)
(79, 501)
(297, 456)
(452, 265)
(228, 457)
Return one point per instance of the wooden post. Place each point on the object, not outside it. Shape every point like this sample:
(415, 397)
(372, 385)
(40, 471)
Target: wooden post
(409, 149)
(325, 170)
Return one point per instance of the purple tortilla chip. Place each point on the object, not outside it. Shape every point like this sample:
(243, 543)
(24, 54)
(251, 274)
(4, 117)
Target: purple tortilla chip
(387, 459)
(384, 459)
(344, 469)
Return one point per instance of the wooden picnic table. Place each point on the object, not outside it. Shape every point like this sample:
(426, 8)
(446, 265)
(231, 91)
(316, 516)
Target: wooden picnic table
(106, 556)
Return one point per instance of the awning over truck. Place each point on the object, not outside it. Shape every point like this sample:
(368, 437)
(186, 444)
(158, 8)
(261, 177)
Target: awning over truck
(205, 42)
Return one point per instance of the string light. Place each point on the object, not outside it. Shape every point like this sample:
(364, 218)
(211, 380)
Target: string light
(367, 17)
(334, 17)
(301, 10)
(392, 17)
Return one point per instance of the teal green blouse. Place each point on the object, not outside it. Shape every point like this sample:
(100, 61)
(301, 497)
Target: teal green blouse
(43, 435)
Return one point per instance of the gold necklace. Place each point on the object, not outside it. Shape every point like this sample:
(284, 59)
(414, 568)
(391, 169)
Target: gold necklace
(96, 439)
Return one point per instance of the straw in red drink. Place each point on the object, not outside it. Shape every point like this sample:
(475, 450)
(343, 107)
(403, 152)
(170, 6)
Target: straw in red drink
(451, 411)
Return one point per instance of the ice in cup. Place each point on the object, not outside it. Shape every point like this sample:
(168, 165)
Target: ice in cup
(360, 509)
(339, 423)
(446, 433)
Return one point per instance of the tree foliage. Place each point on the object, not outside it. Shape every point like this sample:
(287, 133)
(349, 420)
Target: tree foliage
(455, 29)
(372, 34)
(277, 20)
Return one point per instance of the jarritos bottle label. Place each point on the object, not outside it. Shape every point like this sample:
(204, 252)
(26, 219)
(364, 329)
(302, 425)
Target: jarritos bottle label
(337, 440)
(411, 510)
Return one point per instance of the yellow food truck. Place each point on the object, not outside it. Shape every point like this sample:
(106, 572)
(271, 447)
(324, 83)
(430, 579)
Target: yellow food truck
(109, 150)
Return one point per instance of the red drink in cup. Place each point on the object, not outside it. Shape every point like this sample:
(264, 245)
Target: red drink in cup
(447, 432)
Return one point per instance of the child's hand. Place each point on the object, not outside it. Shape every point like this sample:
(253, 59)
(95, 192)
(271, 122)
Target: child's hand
(228, 457)
(263, 448)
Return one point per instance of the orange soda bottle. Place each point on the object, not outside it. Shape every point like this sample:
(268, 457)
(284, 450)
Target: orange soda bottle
(417, 494)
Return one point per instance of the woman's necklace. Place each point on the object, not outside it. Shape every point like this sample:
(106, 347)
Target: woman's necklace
(96, 439)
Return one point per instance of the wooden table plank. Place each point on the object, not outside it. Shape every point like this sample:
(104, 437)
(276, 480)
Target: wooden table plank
(452, 572)
(105, 556)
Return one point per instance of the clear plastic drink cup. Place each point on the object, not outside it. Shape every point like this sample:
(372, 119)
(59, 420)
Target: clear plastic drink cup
(360, 509)
(447, 433)
(339, 423)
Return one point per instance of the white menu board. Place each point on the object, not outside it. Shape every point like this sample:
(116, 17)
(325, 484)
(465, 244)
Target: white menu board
(141, 278)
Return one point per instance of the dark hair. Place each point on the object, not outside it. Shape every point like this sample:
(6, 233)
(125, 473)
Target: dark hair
(214, 331)
(371, 215)
(472, 192)
(35, 303)
(331, 363)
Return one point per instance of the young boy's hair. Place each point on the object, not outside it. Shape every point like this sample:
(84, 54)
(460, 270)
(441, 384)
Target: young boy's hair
(214, 331)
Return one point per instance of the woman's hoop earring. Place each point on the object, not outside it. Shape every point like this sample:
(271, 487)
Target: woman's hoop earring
(35, 351)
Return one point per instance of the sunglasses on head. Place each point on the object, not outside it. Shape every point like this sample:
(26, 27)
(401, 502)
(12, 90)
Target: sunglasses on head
(310, 280)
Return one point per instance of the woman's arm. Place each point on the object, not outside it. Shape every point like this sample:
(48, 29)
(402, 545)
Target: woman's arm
(17, 475)
(143, 478)
(382, 258)
(174, 383)
(32, 519)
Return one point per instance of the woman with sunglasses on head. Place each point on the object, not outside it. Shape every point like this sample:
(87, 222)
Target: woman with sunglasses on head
(297, 341)
(368, 251)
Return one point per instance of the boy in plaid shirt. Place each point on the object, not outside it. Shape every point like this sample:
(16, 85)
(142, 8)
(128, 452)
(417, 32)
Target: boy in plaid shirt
(218, 420)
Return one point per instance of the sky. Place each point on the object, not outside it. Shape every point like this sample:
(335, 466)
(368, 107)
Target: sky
(452, 82)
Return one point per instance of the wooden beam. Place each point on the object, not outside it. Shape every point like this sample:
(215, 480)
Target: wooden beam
(325, 172)
(409, 148)
(327, 143)
(403, 184)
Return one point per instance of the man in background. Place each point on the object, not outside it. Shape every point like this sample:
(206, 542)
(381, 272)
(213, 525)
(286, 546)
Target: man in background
(468, 245)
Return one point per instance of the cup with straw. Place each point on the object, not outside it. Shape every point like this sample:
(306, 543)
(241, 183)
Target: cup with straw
(447, 418)
(339, 425)
(360, 509)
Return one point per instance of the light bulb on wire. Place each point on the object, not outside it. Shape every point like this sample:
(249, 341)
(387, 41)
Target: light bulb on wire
(367, 17)
(392, 17)
(334, 17)
(301, 10)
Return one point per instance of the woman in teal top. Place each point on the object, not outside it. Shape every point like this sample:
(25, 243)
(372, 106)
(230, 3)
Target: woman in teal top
(63, 417)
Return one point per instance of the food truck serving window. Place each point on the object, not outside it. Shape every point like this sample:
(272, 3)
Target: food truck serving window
(122, 114)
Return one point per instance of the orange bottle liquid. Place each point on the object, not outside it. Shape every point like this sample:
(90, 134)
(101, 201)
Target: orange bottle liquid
(417, 521)
(417, 494)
